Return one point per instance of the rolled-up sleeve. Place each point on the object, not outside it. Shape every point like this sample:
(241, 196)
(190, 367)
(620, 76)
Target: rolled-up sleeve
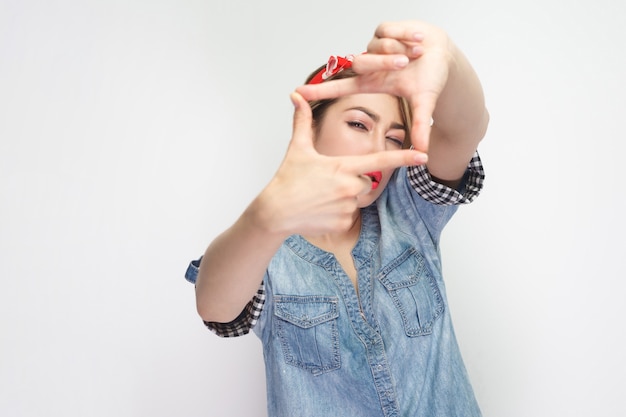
(439, 194)
(246, 320)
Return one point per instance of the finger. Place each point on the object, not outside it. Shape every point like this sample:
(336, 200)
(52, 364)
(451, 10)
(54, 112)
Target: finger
(373, 62)
(367, 184)
(384, 160)
(420, 136)
(302, 135)
(422, 120)
(387, 47)
(390, 46)
(329, 89)
(404, 31)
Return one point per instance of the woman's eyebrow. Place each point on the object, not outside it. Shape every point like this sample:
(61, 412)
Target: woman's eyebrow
(376, 118)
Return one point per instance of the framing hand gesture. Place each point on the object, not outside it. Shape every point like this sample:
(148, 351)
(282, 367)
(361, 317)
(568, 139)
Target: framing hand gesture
(313, 193)
(410, 59)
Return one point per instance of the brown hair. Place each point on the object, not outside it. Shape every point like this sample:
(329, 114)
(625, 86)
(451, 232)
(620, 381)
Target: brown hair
(319, 107)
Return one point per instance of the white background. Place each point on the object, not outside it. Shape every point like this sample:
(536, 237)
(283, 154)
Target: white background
(133, 132)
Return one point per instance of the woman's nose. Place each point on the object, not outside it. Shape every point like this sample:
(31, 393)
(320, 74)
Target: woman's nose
(380, 142)
(376, 142)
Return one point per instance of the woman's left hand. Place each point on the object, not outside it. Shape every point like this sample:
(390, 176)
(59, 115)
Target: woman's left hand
(409, 59)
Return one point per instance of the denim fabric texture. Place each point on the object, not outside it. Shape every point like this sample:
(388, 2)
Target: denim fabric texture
(387, 350)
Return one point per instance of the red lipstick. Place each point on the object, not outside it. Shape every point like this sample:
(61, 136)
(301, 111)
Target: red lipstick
(375, 176)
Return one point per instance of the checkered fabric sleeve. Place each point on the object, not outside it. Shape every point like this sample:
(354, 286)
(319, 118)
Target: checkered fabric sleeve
(245, 321)
(439, 194)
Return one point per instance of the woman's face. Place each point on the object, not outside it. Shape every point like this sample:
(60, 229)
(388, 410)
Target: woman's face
(360, 124)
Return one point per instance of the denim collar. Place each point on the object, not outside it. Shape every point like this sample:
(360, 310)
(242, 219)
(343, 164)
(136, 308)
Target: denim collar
(364, 248)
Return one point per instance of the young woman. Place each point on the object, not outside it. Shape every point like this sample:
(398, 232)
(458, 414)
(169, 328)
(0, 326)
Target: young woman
(335, 265)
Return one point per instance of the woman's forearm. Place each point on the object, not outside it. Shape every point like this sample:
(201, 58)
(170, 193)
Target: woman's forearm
(460, 121)
(233, 266)
(460, 114)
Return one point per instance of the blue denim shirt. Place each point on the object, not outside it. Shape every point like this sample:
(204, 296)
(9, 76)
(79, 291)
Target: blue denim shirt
(388, 349)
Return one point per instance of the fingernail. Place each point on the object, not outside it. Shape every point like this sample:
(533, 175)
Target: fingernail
(401, 62)
(294, 99)
(418, 36)
(420, 158)
(417, 50)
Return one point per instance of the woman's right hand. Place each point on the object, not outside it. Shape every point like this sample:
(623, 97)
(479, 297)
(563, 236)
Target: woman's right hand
(313, 194)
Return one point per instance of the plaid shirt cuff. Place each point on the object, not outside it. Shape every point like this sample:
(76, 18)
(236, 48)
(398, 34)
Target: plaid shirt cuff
(439, 194)
(245, 321)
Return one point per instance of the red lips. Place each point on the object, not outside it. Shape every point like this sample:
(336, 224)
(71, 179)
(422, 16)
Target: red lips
(375, 176)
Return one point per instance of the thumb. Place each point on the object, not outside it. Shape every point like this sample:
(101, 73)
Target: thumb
(420, 135)
(422, 119)
(302, 135)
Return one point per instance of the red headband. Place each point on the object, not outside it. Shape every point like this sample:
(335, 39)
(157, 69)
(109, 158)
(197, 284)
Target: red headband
(335, 64)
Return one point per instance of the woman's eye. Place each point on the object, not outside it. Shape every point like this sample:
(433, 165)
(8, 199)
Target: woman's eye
(358, 125)
(396, 142)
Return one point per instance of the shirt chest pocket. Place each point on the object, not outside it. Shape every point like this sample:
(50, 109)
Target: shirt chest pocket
(307, 330)
(414, 292)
